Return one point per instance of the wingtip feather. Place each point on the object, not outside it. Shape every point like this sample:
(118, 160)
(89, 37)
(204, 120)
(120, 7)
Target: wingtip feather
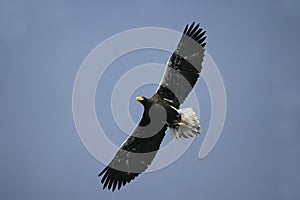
(195, 32)
(185, 29)
(102, 172)
(190, 29)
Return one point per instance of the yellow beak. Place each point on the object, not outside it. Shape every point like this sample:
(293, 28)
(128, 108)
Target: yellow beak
(139, 98)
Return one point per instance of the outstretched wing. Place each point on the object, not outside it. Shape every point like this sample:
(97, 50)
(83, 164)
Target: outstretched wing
(133, 157)
(183, 67)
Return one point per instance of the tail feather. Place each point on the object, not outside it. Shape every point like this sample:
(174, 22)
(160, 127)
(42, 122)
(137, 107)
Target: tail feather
(189, 126)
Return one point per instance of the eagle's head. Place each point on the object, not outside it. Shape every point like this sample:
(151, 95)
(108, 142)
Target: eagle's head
(144, 101)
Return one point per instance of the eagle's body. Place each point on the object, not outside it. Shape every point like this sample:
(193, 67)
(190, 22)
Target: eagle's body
(160, 112)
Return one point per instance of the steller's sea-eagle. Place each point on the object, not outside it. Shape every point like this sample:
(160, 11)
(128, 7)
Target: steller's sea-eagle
(160, 112)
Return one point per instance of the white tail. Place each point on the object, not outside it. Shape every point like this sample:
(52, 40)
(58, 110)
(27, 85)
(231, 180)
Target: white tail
(190, 124)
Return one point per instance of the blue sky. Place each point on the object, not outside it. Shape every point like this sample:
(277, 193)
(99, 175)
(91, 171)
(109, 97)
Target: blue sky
(255, 45)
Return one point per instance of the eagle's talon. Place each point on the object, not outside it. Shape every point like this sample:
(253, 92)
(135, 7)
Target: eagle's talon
(184, 120)
(181, 124)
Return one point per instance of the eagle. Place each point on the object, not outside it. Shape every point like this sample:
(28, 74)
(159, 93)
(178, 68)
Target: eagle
(161, 111)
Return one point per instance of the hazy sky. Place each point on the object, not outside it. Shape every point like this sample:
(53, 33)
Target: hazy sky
(255, 44)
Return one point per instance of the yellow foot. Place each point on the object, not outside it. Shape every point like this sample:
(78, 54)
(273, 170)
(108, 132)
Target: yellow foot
(181, 124)
(184, 120)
